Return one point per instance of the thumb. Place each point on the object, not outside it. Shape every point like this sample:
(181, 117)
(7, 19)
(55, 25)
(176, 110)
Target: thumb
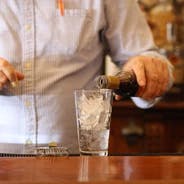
(118, 98)
(137, 65)
(20, 76)
(140, 74)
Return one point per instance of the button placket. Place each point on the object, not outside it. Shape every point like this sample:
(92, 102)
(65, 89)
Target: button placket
(28, 69)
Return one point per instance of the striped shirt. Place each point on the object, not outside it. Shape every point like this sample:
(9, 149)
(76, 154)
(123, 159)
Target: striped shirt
(58, 54)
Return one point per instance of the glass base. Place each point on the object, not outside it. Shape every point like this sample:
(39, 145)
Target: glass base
(93, 153)
(52, 151)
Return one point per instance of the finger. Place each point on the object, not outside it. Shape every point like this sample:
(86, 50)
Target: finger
(153, 83)
(159, 91)
(137, 65)
(139, 70)
(163, 80)
(140, 74)
(20, 76)
(3, 78)
(8, 70)
(118, 98)
(1, 86)
(141, 91)
(151, 89)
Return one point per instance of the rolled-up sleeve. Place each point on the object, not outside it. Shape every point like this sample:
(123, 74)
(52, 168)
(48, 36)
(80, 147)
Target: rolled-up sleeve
(127, 32)
(128, 35)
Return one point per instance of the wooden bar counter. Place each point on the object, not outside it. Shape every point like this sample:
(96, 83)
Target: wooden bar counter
(107, 170)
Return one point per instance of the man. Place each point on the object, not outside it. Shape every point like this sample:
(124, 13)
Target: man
(52, 53)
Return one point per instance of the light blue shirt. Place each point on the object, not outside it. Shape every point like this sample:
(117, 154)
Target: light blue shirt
(58, 54)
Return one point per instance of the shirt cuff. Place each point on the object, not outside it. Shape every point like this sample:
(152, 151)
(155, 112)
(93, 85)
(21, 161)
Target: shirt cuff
(145, 104)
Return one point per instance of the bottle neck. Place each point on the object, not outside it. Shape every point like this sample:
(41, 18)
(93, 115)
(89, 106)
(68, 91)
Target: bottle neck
(109, 82)
(113, 82)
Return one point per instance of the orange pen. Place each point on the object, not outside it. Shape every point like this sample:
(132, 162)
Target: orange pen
(61, 7)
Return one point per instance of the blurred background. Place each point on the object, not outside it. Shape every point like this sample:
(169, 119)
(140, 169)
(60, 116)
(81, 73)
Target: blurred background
(159, 129)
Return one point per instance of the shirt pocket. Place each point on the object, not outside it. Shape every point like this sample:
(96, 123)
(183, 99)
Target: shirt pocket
(75, 29)
(9, 41)
(3, 26)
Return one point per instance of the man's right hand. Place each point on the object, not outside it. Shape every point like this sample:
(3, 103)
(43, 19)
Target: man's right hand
(8, 74)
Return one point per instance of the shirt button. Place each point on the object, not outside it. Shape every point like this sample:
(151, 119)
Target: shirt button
(28, 27)
(28, 141)
(27, 103)
(28, 65)
(53, 144)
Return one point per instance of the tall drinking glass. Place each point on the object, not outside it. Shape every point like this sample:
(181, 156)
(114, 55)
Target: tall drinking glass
(93, 115)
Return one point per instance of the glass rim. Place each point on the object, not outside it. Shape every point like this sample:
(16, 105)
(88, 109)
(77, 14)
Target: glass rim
(92, 90)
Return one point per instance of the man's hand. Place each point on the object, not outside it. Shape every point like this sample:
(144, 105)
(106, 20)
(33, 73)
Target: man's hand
(152, 76)
(8, 74)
